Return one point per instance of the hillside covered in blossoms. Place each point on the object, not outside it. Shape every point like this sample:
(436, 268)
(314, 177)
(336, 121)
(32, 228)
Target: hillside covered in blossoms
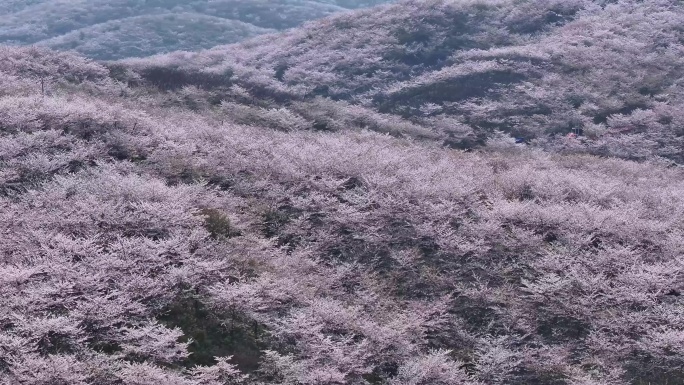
(431, 192)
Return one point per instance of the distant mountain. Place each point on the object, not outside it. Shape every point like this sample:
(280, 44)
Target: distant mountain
(140, 35)
(9, 6)
(108, 29)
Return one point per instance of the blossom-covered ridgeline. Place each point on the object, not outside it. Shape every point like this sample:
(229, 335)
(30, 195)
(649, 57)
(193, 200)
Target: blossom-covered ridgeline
(536, 70)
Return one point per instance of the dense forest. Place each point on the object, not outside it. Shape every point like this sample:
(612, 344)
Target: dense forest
(115, 29)
(431, 192)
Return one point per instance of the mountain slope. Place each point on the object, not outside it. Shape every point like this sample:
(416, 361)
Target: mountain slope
(148, 238)
(537, 70)
(293, 210)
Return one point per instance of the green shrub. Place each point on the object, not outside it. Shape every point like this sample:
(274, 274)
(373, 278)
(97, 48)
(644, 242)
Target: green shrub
(215, 335)
(218, 224)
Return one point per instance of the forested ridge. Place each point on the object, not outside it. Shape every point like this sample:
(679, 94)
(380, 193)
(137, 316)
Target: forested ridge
(428, 192)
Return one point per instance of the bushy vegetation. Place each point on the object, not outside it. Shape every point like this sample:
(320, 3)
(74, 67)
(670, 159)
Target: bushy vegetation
(347, 204)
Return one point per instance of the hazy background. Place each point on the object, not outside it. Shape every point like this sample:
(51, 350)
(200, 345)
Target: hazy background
(115, 29)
